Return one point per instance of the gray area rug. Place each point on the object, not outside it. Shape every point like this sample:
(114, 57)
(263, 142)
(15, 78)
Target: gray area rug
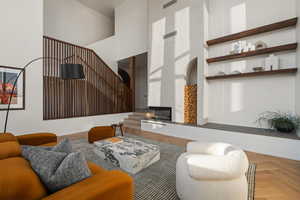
(157, 182)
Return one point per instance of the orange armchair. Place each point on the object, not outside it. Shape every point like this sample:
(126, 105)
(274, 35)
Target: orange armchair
(100, 133)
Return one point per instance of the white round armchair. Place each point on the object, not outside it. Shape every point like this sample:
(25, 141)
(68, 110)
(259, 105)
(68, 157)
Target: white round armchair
(212, 171)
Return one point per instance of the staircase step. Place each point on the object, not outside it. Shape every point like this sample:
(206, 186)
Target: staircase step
(131, 126)
(132, 130)
(133, 122)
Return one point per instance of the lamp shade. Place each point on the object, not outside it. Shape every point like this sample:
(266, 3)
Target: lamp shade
(71, 71)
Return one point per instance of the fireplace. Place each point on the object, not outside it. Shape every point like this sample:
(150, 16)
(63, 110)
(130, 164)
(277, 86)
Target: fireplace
(161, 113)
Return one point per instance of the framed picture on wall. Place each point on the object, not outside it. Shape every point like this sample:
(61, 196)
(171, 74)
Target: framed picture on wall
(8, 75)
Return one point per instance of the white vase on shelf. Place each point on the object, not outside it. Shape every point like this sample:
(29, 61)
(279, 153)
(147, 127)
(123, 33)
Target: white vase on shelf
(272, 62)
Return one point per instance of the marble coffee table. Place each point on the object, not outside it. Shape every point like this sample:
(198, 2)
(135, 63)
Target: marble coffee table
(129, 154)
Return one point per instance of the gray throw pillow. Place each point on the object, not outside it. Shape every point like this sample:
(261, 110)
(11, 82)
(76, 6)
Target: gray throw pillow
(57, 170)
(64, 146)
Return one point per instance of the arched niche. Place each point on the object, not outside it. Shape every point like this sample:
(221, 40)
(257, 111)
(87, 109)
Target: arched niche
(190, 93)
(192, 72)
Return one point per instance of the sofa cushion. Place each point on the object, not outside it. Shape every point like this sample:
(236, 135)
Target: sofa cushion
(4, 137)
(18, 180)
(56, 168)
(9, 147)
(64, 146)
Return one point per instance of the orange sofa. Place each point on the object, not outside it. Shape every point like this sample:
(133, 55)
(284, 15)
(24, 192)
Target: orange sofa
(19, 182)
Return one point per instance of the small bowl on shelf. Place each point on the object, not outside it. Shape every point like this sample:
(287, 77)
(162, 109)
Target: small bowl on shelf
(258, 69)
(236, 72)
(220, 73)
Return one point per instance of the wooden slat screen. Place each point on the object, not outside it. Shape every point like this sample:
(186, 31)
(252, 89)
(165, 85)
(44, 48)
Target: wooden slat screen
(101, 92)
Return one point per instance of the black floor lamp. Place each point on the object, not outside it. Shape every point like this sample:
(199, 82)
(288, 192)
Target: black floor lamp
(67, 72)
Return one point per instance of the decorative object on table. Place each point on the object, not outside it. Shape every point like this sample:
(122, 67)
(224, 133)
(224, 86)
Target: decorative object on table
(118, 129)
(113, 140)
(210, 170)
(56, 168)
(67, 72)
(272, 62)
(282, 122)
(130, 155)
(258, 69)
(8, 75)
(260, 45)
(236, 72)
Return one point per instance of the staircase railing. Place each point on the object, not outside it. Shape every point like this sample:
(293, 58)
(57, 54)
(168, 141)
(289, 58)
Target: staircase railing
(101, 92)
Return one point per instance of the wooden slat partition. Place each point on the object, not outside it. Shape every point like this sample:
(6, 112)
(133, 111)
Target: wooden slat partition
(101, 92)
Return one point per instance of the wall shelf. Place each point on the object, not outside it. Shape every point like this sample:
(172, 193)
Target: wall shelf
(255, 31)
(252, 74)
(287, 47)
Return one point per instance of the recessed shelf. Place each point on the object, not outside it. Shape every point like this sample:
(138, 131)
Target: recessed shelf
(255, 31)
(252, 74)
(286, 47)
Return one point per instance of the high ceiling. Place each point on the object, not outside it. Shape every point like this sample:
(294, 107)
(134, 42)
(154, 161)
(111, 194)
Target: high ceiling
(106, 7)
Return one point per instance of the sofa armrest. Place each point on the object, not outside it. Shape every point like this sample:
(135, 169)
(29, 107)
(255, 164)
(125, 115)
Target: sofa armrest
(112, 185)
(37, 139)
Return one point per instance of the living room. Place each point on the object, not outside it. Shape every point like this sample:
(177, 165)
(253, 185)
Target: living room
(205, 108)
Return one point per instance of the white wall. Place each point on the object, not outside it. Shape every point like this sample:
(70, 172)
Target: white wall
(131, 27)
(71, 21)
(169, 58)
(107, 49)
(21, 41)
(297, 91)
(141, 88)
(240, 101)
(131, 34)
